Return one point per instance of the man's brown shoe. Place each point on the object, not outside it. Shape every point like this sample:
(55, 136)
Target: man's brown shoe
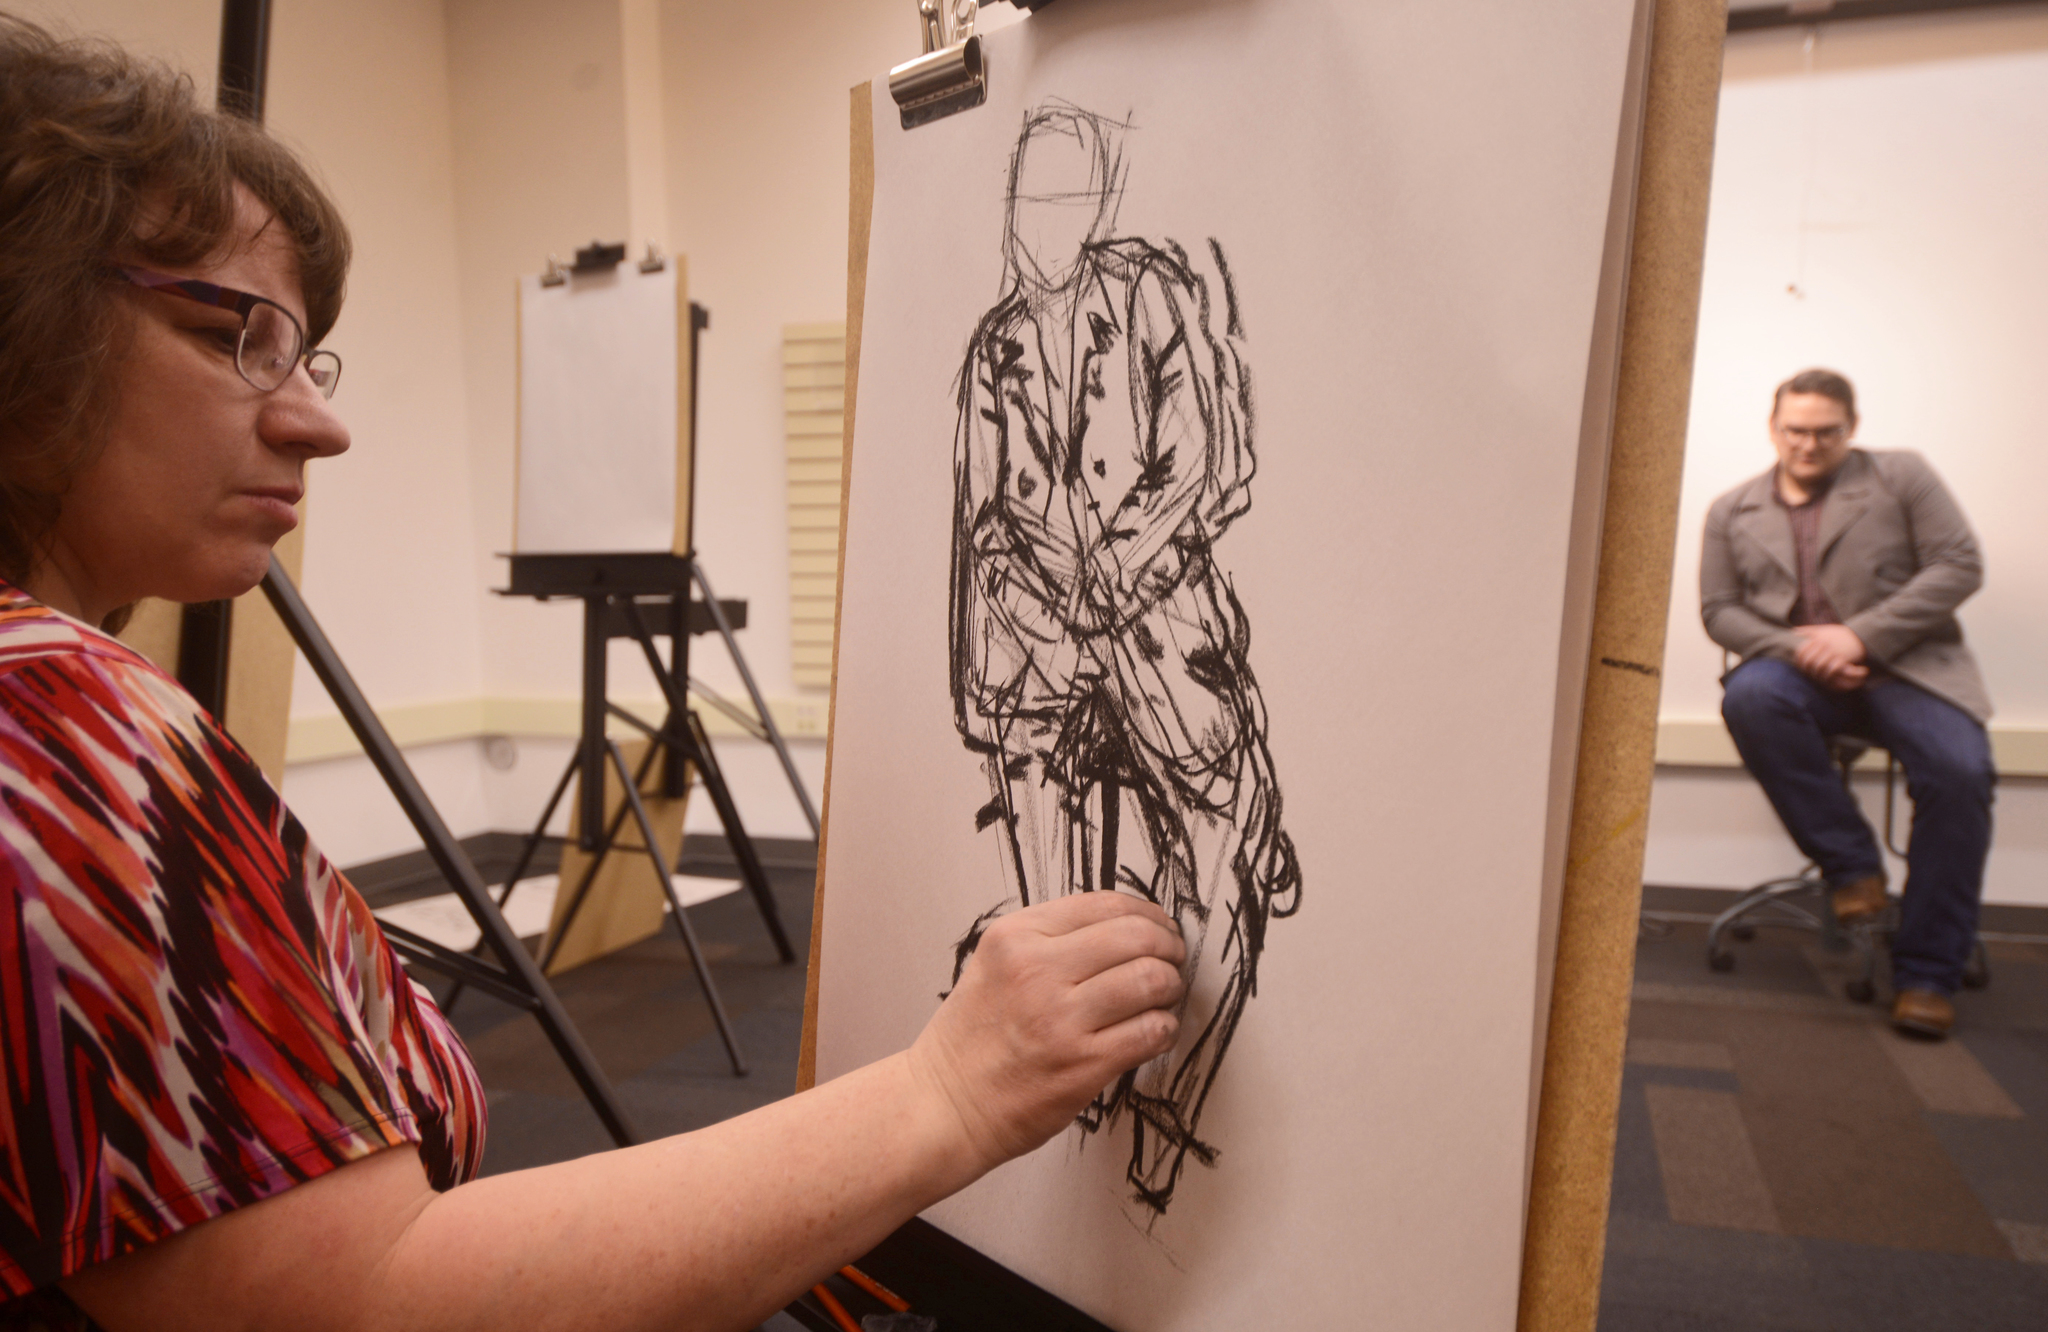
(1860, 901)
(1923, 1013)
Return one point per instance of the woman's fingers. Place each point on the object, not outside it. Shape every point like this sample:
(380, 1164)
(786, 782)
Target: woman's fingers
(1111, 942)
(1078, 911)
(1086, 933)
(1137, 1039)
(1124, 991)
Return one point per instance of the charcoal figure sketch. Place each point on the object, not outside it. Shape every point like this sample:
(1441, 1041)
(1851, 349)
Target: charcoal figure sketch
(1099, 656)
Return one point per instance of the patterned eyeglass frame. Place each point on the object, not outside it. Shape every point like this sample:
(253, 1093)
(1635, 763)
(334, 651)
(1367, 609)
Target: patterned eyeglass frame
(322, 367)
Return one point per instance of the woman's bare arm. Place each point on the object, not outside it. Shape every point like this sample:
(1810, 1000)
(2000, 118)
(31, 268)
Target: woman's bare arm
(714, 1229)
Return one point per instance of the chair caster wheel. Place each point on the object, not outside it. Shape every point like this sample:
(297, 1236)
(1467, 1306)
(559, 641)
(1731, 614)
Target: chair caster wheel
(1744, 932)
(1721, 961)
(1862, 991)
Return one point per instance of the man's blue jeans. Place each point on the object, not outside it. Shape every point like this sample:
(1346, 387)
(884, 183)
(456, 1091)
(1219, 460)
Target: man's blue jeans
(1781, 721)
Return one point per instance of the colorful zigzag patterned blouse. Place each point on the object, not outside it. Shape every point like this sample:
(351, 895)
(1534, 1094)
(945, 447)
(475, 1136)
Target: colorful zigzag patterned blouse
(196, 1010)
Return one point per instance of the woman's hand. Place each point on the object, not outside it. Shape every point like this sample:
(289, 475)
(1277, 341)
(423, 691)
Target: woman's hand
(1056, 1003)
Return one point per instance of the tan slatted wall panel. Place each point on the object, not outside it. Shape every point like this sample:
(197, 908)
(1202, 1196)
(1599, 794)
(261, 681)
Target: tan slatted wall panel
(813, 405)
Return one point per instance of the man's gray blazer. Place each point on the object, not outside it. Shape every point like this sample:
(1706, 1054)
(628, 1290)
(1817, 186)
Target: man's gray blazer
(1896, 559)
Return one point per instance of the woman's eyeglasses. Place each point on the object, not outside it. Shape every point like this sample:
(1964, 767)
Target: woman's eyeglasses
(271, 344)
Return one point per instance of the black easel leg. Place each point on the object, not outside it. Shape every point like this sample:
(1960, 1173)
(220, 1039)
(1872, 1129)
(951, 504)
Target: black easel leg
(695, 746)
(539, 835)
(599, 849)
(447, 853)
(526, 853)
(668, 888)
(736, 838)
(739, 661)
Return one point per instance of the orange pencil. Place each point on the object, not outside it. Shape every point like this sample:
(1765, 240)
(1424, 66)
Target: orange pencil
(876, 1289)
(835, 1308)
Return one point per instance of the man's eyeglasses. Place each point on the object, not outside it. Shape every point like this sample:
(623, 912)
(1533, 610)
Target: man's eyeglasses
(271, 343)
(1821, 435)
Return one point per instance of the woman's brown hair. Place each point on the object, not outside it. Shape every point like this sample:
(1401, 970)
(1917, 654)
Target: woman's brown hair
(103, 155)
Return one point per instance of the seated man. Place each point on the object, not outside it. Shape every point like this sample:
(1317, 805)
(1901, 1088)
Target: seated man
(1835, 577)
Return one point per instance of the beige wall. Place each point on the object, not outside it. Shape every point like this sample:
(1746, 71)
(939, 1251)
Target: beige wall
(362, 90)
(548, 116)
(185, 33)
(1901, 186)
(538, 116)
(757, 143)
(1912, 151)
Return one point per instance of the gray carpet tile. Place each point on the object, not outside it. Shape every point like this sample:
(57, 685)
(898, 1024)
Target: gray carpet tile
(1910, 1180)
(1729, 1278)
(643, 1014)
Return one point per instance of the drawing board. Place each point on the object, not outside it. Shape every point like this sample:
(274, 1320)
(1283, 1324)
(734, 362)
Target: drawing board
(1345, 648)
(603, 389)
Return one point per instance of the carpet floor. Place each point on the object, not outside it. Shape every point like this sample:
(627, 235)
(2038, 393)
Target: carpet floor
(644, 1016)
(1786, 1161)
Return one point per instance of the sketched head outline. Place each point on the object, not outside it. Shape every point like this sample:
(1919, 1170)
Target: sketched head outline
(1066, 181)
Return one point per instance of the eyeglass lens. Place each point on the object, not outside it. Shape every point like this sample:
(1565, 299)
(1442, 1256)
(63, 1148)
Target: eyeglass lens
(324, 368)
(270, 347)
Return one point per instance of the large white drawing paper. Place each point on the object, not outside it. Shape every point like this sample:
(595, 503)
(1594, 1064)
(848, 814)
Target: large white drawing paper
(1221, 423)
(597, 413)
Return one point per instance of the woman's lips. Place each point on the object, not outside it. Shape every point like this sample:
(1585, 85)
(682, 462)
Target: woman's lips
(277, 504)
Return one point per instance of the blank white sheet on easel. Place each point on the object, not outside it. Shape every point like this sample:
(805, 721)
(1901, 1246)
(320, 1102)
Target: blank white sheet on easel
(597, 413)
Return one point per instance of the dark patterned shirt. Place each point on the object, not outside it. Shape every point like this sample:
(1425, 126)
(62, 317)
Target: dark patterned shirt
(1813, 606)
(197, 1011)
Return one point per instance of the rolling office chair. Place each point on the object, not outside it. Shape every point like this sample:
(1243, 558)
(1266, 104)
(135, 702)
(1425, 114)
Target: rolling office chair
(1803, 901)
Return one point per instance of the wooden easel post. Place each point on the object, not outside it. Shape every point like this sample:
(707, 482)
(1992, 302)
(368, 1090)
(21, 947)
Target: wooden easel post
(1588, 1033)
(860, 227)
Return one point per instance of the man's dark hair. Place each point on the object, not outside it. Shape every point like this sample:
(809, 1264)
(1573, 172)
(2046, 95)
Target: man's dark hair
(1826, 383)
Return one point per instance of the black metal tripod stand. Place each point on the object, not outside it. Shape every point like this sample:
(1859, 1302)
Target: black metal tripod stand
(621, 594)
(515, 979)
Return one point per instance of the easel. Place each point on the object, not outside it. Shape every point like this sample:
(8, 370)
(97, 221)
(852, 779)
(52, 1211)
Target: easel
(619, 593)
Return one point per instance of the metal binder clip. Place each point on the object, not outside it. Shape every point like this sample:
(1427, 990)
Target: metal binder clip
(554, 275)
(950, 76)
(654, 262)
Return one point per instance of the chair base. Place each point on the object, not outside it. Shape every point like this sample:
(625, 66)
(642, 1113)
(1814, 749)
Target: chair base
(1772, 903)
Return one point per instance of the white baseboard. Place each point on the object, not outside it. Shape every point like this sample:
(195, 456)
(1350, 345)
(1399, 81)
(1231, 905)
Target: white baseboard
(327, 735)
(1683, 742)
(1703, 742)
